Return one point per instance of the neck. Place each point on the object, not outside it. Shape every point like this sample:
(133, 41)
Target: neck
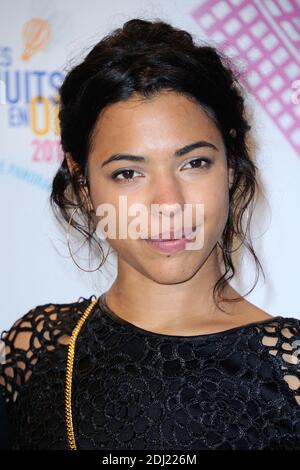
(156, 306)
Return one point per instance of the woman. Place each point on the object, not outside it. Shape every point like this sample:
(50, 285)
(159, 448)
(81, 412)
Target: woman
(171, 356)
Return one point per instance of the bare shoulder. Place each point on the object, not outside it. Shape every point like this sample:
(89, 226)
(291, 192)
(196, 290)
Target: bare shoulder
(255, 313)
(42, 326)
(36, 322)
(243, 312)
(41, 330)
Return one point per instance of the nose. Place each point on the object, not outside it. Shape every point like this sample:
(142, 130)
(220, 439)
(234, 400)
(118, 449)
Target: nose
(167, 197)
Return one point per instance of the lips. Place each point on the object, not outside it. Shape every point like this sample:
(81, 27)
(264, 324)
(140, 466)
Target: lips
(171, 235)
(167, 246)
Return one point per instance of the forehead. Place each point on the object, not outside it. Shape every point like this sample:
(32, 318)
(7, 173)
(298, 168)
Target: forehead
(168, 118)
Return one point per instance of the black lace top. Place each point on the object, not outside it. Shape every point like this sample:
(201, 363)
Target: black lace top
(136, 389)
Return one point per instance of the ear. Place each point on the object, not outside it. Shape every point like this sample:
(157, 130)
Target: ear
(72, 165)
(230, 177)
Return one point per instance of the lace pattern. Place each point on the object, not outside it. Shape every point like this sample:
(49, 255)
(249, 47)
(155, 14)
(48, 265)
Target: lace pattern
(133, 390)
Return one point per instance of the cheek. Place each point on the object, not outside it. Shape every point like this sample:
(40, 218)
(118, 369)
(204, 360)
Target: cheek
(215, 200)
(108, 199)
(118, 218)
(217, 212)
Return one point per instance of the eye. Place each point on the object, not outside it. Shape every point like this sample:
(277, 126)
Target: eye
(198, 161)
(128, 175)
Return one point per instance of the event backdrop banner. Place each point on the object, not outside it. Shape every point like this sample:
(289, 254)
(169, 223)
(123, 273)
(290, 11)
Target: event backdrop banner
(41, 40)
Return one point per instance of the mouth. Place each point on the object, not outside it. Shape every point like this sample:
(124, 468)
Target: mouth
(172, 236)
(177, 242)
(167, 246)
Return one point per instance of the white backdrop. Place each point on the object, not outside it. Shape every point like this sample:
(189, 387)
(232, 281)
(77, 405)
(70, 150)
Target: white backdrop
(38, 39)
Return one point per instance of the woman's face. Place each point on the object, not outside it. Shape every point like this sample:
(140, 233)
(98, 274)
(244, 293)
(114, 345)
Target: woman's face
(154, 129)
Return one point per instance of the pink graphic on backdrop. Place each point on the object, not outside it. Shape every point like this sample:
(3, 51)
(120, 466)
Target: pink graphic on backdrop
(265, 38)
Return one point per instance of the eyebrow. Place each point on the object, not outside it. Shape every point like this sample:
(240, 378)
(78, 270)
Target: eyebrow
(178, 153)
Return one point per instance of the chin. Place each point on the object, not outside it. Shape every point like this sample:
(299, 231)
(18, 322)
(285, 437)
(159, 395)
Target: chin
(168, 278)
(169, 271)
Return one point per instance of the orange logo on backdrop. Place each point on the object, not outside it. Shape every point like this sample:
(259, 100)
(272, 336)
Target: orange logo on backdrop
(36, 34)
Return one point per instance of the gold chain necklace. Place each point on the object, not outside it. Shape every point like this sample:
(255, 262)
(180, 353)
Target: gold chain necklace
(69, 374)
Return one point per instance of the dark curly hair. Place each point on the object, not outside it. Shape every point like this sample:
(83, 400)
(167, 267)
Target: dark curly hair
(145, 57)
